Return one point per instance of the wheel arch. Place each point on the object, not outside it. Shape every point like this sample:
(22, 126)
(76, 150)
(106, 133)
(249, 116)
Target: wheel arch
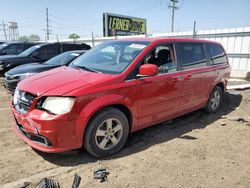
(125, 105)
(123, 108)
(221, 85)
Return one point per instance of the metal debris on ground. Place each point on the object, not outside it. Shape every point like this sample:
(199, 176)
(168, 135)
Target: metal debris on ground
(101, 174)
(25, 184)
(48, 183)
(77, 181)
(241, 120)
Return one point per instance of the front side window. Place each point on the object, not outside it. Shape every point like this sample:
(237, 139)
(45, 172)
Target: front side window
(192, 55)
(163, 56)
(217, 53)
(110, 57)
(11, 49)
(15, 49)
(50, 51)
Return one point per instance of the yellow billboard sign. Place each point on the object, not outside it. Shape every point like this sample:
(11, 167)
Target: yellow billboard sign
(119, 25)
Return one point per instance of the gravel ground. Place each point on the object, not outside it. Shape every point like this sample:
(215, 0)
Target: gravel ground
(195, 150)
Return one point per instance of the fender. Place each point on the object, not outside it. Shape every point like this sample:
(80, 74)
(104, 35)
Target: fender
(99, 103)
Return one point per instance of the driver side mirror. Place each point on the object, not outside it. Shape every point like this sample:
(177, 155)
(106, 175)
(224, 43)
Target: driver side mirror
(4, 52)
(37, 55)
(147, 70)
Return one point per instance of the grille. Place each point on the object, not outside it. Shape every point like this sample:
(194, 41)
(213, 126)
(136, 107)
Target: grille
(22, 101)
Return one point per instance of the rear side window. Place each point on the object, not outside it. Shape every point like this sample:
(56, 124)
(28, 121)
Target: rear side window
(14, 49)
(66, 47)
(217, 54)
(193, 55)
(51, 51)
(27, 45)
(69, 47)
(48, 51)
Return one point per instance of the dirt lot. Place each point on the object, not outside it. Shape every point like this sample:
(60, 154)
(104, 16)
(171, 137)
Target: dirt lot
(196, 150)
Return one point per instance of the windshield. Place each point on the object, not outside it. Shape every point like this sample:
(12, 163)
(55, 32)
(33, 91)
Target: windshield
(29, 51)
(2, 46)
(63, 59)
(110, 57)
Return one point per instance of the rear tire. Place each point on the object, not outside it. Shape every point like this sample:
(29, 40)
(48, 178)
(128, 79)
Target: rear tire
(214, 101)
(106, 133)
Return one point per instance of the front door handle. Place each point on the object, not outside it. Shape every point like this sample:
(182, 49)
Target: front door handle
(176, 79)
(188, 77)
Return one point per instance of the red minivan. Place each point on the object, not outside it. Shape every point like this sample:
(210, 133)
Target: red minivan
(116, 88)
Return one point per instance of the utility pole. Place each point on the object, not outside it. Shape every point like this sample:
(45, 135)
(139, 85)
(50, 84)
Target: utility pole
(47, 23)
(4, 30)
(194, 30)
(173, 9)
(92, 39)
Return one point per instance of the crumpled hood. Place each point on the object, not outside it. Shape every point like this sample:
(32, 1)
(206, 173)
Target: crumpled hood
(62, 80)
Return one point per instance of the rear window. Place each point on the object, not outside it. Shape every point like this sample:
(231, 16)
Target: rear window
(217, 53)
(193, 55)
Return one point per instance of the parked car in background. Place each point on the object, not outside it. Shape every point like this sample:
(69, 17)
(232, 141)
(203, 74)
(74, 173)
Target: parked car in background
(13, 76)
(15, 48)
(116, 88)
(1, 43)
(39, 54)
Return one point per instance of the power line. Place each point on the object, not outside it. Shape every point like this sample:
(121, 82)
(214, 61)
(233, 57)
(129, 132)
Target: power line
(37, 18)
(74, 22)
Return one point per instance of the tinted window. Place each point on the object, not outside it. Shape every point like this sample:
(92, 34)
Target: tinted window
(217, 53)
(19, 48)
(69, 47)
(50, 51)
(193, 55)
(13, 49)
(27, 45)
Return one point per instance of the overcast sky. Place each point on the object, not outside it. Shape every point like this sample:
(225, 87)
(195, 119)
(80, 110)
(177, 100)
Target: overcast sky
(84, 16)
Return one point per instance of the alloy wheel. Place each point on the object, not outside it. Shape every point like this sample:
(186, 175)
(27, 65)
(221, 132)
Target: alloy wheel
(108, 134)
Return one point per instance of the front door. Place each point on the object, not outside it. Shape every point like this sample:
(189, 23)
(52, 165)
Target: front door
(159, 97)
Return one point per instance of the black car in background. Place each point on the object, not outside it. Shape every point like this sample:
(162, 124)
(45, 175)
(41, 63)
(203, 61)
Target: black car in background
(13, 76)
(38, 54)
(15, 48)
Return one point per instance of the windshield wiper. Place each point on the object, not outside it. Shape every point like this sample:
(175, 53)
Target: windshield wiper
(86, 68)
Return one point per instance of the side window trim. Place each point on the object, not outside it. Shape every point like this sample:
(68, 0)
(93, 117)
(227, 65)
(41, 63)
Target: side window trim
(209, 55)
(222, 55)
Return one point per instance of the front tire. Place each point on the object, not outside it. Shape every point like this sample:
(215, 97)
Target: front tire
(106, 133)
(214, 101)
